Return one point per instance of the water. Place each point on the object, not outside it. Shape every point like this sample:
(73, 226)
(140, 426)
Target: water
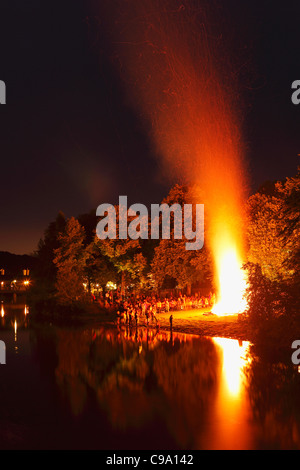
(107, 388)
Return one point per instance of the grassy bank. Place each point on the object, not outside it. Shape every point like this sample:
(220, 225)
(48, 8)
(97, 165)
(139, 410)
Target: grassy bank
(197, 321)
(278, 332)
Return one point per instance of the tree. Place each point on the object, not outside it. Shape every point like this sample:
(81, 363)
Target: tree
(262, 295)
(126, 256)
(172, 259)
(99, 268)
(290, 233)
(274, 248)
(46, 269)
(70, 260)
(88, 222)
(265, 225)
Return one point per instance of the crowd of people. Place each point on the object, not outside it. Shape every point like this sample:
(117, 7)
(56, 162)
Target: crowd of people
(147, 308)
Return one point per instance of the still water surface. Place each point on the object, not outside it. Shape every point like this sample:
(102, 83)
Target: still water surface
(106, 388)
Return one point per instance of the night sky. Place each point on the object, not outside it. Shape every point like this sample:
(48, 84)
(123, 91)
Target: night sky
(69, 140)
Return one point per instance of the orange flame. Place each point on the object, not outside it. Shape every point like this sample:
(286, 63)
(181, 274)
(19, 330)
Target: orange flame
(183, 81)
(232, 282)
(228, 253)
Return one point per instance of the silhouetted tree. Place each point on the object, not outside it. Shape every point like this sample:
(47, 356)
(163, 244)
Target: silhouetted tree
(274, 248)
(70, 260)
(171, 258)
(126, 256)
(46, 269)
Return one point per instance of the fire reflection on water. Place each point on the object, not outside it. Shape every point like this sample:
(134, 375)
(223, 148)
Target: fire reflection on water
(232, 411)
(199, 377)
(234, 359)
(181, 391)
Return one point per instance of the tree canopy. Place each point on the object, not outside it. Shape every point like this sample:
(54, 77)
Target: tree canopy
(274, 247)
(70, 260)
(70, 254)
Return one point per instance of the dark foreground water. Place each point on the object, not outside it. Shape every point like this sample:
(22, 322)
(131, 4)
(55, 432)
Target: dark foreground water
(109, 388)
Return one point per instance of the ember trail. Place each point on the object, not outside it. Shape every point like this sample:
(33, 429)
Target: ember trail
(178, 75)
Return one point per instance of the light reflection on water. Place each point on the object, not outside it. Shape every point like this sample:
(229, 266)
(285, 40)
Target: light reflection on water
(231, 410)
(234, 359)
(143, 388)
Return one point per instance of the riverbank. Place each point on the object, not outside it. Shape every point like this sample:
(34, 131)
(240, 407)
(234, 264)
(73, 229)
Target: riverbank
(196, 322)
(279, 332)
(200, 323)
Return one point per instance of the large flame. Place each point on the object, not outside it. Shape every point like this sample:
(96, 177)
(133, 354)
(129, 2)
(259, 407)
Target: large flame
(230, 278)
(181, 80)
(232, 282)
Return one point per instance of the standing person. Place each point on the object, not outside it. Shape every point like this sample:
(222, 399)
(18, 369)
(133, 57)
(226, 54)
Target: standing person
(171, 322)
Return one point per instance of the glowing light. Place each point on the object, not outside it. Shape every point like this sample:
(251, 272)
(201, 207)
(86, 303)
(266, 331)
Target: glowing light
(111, 285)
(2, 311)
(26, 310)
(195, 122)
(232, 409)
(234, 360)
(232, 284)
(26, 283)
(15, 329)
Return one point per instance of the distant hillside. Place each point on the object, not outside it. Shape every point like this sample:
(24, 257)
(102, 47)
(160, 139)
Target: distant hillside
(13, 265)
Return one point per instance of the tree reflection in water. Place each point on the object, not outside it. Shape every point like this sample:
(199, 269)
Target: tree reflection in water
(140, 376)
(187, 391)
(192, 385)
(273, 386)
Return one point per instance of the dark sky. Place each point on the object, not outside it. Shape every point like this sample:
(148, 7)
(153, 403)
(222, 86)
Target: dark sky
(69, 142)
